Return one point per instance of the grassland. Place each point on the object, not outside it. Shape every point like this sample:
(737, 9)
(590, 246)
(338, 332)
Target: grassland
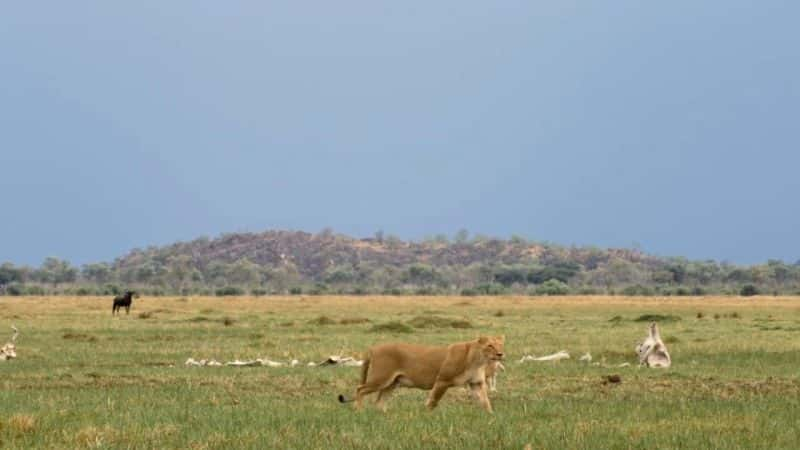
(85, 379)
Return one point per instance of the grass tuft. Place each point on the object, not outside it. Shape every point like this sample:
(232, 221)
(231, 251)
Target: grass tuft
(20, 424)
(391, 327)
(662, 318)
(438, 322)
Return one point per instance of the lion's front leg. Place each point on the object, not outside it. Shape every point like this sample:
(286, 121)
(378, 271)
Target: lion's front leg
(479, 391)
(436, 394)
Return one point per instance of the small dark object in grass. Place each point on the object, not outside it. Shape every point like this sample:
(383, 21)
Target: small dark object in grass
(700, 315)
(657, 318)
(145, 314)
(735, 315)
(353, 320)
(716, 316)
(438, 322)
(228, 321)
(322, 320)
(615, 319)
(614, 379)
(499, 313)
(391, 327)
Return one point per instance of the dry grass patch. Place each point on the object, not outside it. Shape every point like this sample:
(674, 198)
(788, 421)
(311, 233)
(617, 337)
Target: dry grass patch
(81, 337)
(353, 320)
(20, 424)
(322, 321)
(391, 327)
(438, 322)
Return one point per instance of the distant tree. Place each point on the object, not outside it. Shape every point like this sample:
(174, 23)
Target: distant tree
(99, 273)
(748, 290)
(511, 275)
(243, 273)
(518, 240)
(462, 236)
(9, 274)
(340, 274)
(379, 236)
(57, 271)
(552, 287)
(421, 275)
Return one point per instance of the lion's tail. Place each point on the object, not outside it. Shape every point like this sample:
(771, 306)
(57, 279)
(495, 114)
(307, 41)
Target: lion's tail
(364, 373)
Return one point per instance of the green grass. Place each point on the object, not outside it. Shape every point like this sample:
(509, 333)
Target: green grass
(84, 379)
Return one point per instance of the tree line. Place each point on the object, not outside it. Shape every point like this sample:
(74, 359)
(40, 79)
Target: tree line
(180, 274)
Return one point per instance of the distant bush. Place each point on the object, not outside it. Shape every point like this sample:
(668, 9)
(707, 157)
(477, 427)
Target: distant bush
(318, 289)
(552, 287)
(490, 289)
(85, 291)
(34, 290)
(258, 292)
(637, 290)
(15, 289)
(228, 291)
(748, 290)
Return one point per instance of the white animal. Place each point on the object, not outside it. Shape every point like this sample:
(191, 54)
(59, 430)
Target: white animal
(9, 351)
(652, 351)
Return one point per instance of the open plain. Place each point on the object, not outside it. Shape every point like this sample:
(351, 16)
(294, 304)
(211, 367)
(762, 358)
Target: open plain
(83, 379)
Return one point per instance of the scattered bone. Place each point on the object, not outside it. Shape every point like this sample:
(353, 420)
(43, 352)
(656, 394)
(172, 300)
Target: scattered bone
(554, 357)
(587, 357)
(652, 352)
(9, 351)
(341, 361)
(625, 364)
(202, 362)
(265, 362)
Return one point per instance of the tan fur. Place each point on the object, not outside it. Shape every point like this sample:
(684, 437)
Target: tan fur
(434, 368)
(492, 367)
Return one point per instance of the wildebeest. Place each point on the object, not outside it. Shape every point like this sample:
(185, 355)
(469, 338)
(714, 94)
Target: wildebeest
(123, 301)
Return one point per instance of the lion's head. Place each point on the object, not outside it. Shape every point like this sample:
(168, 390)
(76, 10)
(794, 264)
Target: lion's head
(492, 347)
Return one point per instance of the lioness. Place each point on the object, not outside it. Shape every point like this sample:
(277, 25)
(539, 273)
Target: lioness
(437, 368)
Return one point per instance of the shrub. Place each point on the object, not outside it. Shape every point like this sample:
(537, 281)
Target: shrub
(258, 292)
(748, 290)
(296, 290)
(228, 291)
(552, 287)
(391, 327)
(15, 289)
(34, 290)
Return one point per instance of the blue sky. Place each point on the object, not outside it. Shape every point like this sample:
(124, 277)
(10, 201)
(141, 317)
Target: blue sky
(673, 126)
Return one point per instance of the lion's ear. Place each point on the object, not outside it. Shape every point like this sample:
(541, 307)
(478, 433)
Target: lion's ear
(482, 340)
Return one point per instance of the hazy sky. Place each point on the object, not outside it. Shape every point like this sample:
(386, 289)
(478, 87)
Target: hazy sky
(673, 125)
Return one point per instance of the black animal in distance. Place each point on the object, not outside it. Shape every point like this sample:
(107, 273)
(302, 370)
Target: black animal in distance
(123, 301)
